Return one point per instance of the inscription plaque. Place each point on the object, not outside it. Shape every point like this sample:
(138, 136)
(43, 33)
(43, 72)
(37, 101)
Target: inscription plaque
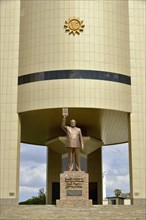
(74, 192)
(74, 182)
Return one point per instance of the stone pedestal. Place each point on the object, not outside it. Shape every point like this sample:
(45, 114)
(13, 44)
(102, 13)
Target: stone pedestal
(74, 190)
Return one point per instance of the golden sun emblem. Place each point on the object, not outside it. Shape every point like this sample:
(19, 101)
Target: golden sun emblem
(74, 25)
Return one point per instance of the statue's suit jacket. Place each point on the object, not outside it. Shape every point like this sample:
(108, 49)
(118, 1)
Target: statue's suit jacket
(74, 135)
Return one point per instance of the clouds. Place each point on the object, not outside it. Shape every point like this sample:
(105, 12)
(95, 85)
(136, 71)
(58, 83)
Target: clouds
(33, 153)
(32, 170)
(114, 182)
(116, 165)
(33, 175)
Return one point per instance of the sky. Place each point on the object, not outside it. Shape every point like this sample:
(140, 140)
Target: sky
(33, 169)
(116, 167)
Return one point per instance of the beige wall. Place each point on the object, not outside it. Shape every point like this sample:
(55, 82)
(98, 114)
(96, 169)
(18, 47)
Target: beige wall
(74, 93)
(137, 21)
(103, 45)
(9, 148)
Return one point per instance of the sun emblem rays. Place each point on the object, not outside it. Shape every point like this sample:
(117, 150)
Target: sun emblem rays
(74, 25)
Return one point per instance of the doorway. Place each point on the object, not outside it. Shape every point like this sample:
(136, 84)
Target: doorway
(93, 192)
(55, 192)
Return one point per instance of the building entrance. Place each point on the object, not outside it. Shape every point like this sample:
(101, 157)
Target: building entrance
(55, 192)
(93, 192)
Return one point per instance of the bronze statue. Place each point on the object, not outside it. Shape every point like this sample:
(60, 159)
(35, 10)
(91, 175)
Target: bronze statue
(75, 142)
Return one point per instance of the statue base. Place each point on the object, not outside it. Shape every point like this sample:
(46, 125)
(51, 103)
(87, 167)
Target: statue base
(74, 190)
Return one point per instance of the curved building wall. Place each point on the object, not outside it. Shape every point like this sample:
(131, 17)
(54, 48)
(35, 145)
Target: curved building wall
(103, 47)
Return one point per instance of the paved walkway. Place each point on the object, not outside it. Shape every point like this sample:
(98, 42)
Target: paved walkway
(50, 212)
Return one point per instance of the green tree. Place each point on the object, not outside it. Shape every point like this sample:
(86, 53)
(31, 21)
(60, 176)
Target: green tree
(117, 192)
(40, 199)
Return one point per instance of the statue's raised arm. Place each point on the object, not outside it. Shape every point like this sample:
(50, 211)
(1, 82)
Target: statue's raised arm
(63, 124)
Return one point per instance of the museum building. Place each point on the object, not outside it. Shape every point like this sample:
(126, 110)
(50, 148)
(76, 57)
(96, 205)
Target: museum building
(87, 56)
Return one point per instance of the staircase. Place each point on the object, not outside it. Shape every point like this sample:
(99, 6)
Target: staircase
(51, 212)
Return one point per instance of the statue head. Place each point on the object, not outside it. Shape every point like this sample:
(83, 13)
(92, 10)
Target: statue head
(72, 123)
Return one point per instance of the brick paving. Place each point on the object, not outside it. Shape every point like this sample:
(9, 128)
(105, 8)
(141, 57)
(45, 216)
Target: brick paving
(51, 212)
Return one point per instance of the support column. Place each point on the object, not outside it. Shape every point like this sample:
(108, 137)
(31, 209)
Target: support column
(130, 160)
(94, 168)
(9, 119)
(54, 161)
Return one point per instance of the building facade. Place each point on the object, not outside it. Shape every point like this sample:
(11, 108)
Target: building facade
(88, 56)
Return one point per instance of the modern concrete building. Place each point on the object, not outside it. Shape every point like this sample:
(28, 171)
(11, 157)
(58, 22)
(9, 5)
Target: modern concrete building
(87, 55)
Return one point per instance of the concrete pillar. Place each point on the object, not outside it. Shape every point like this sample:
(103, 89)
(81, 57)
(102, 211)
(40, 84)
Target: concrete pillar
(9, 119)
(130, 160)
(94, 168)
(54, 164)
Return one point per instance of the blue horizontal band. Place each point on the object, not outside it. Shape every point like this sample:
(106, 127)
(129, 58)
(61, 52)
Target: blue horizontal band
(74, 74)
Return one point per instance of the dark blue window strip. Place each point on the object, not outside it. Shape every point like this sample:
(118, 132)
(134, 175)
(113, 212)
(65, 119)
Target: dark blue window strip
(74, 74)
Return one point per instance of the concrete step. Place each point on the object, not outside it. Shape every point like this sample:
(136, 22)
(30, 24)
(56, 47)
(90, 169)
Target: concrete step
(50, 212)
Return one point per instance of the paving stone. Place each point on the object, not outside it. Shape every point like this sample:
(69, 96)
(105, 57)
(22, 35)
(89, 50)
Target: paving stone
(48, 212)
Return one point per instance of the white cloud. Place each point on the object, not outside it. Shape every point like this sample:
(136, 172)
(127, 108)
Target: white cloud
(33, 176)
(26, 189)
(114, 182)
(35, 154)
